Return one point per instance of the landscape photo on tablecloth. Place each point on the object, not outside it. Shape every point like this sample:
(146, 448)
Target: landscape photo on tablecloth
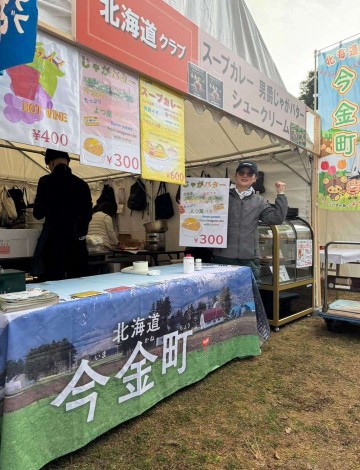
(178, 332)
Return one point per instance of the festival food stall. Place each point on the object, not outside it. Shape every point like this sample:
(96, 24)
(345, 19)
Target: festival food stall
(118, 107)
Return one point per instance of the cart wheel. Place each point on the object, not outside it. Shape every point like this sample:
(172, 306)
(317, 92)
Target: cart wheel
(330, 324)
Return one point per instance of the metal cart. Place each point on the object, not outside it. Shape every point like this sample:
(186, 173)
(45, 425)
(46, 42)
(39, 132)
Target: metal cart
(335, 254)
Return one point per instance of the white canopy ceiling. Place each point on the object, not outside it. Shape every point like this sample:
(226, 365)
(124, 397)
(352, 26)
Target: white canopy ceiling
(209, 135)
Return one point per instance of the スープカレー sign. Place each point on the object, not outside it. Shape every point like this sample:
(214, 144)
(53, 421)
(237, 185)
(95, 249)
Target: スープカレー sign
(162, 134)
(241, 90)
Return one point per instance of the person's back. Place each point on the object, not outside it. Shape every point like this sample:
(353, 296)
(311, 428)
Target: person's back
(101, 228)
(62, 198)
(65, 202)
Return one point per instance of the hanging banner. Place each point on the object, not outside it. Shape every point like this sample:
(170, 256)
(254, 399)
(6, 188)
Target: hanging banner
(109, 109)
(18, 25)
(205, 220)
(148, 36)
(339, 103)
(39, 101)
(162, 134)
(154, 39)
(235, 86)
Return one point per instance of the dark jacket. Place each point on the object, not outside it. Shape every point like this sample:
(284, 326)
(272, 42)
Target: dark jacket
(244, 216)
(65, 202)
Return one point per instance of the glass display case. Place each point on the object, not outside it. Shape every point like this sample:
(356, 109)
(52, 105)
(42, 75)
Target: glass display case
(286, 268)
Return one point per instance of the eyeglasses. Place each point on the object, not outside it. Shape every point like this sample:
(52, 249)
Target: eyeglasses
(246, 173)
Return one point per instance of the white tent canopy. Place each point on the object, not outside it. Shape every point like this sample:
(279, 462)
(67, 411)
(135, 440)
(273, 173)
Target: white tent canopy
(229, 21)
(213, 141)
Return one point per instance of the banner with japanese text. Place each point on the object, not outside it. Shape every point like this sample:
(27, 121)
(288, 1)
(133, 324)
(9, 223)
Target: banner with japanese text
(72, 371)
(147, 36)
(162, 134)
(18, 26)
(228, 82)
(156, 40)
(205, 220)
(109, 113)
(339, 102)
(39, 101)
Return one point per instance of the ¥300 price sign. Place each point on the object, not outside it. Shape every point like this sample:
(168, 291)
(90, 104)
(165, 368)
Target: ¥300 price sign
(205, 218)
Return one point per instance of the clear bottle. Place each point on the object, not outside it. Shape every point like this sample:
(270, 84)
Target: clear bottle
(188, 263)
(198, 264)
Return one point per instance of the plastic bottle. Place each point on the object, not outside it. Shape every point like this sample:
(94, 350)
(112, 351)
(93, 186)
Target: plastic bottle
(188, 263)
(198, 264)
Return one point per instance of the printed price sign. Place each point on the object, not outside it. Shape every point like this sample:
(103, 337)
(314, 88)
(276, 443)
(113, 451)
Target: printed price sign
(109, 108)
(206, 202)
(162, 134)
(39, 101)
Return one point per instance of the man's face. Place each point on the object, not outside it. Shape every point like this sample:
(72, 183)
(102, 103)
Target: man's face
(244, 179)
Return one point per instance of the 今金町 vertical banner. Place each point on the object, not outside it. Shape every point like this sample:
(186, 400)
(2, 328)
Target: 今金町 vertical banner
(109, 109)
(39, 101)
(339, 101)
(162, 134)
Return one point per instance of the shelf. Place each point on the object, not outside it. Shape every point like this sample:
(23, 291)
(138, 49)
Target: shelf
(287, 290)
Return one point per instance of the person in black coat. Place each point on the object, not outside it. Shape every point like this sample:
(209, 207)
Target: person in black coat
(65, 202)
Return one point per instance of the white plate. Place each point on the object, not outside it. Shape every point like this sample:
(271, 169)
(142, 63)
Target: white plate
(190, 233)
(157, 164)
(131, 270)
(91, 157)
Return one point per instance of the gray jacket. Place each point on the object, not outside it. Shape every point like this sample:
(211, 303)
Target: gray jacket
(244, 216)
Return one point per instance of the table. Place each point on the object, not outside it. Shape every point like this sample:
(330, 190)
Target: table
(152, 255)
(340, 256)
(70, 372)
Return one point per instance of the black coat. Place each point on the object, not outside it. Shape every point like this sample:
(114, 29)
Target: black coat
(65, 202)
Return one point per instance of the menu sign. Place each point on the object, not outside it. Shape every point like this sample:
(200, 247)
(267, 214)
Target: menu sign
(238, 88)
(304, 253)
(162, 134)
(109, 108)
(206, 204)
(39, 102)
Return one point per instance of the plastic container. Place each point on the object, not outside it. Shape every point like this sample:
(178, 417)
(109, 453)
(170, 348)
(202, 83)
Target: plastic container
(198, 264)
(188, 263)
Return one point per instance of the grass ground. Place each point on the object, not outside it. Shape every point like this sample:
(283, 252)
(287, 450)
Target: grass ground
(297, 406)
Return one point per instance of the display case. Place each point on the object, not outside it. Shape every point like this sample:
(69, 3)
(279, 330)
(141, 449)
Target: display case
(286, 269)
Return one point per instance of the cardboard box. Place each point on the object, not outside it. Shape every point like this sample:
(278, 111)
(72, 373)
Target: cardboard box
(18, 243)
(124, 238)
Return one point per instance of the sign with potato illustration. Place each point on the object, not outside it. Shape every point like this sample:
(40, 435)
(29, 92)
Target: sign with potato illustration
(204, 222)
(109, 116)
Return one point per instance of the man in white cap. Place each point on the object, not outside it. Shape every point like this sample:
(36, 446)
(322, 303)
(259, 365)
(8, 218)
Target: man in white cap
(64, 200)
